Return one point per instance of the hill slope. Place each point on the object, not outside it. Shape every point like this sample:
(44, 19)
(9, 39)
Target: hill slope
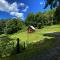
(44, 49)
(36, 36)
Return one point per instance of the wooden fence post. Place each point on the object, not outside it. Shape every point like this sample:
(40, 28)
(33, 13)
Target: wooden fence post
(24, 45)
(18, 46)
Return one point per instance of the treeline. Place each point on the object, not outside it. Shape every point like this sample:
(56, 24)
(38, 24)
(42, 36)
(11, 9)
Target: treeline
(42, 19)
(9, 26)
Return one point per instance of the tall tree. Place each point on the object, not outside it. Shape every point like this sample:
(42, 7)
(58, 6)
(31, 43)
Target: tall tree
(39, 18)
(49, 16)
(54, 4)
(30, 19)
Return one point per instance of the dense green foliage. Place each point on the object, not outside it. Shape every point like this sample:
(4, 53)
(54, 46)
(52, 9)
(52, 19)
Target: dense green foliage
(54, 4)
(2, 25)
(57, 14)
(41, 19)
(34, 19)
(10, 26)
(6, 46)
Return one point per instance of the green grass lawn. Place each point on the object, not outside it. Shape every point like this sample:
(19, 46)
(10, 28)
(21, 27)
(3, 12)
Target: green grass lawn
(36, 36)
(33, 50)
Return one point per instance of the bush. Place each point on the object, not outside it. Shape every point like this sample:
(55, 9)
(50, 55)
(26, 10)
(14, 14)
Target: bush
(13, 26)
(6, 46)
(39, 25)
(8, 31)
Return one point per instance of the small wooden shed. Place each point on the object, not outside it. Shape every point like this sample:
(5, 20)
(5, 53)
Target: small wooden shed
(31, 29)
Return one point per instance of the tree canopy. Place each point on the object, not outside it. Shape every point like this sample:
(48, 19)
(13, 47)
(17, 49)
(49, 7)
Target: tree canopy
(52, 3)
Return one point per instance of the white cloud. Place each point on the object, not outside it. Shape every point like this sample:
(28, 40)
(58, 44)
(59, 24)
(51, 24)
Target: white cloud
(4, 6)
(12, 13)
(22, 4)
(26, 8)
(10, 8)
(41, 3)
(17, 14)
(13, 7)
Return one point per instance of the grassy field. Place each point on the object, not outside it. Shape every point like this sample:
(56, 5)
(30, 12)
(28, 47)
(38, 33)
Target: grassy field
(35, 48)
(36, 36)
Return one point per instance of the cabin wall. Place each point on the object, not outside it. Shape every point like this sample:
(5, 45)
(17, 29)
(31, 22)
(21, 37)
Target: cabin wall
(30, 30)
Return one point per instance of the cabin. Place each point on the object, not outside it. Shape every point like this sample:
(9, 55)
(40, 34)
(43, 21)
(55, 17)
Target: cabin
(31, 29)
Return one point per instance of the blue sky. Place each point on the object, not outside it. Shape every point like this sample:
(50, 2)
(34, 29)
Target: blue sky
(20, 8)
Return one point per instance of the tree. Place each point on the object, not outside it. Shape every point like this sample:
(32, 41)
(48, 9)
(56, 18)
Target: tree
(6, 46)
(54, 4)
(35, 19)
(39, 19)
(9, 26)
(30, 19)
(49, 16)
(13, 25)
(2, 25)
(57, 15)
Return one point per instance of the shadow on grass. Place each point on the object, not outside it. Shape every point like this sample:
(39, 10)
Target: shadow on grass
(47, 49)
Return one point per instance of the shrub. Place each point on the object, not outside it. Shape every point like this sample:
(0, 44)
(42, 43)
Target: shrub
(39, 25)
